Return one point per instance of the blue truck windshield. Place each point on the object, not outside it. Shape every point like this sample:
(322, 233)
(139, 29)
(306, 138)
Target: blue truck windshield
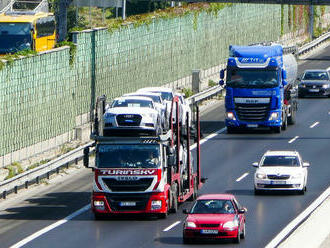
(15, 37)
(128, 156)
(252, 78)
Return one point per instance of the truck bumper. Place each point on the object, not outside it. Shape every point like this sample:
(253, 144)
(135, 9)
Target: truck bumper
(241, 124)
(138, 203)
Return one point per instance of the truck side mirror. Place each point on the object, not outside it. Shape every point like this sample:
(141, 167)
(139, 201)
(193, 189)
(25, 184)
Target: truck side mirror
(221, 82)
(283, 74)
(86, 157)
(222, 74)
(284, 83)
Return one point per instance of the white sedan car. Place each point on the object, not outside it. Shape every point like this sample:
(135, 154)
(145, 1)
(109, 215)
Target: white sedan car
(281, 170)
(158, 102)
(132, 114)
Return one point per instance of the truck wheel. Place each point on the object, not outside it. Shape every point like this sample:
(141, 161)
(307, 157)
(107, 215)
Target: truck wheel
(292, 118)
(277, 129)
(285, 123)
(174, 206)
(230, 130)
(193, 197)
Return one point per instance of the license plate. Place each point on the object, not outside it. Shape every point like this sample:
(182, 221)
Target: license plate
(277, 182)
(209, 231)
(127, 204)
(252, 125)
(314, 90)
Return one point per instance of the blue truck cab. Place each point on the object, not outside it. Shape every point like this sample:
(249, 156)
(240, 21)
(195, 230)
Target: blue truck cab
(260, 87)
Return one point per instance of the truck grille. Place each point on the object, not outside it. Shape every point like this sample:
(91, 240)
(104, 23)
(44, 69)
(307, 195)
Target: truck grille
(140, 200)
(127, 186)
(252, 112)
(128, 120)
(278, 177)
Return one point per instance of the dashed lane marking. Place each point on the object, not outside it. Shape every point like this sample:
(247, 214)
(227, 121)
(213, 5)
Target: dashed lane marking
(293, 140)
(314, 125)
(51, 227)
(171, 226)
(241, 177)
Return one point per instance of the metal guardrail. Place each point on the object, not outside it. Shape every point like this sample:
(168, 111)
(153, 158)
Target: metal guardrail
(210, 92)
(35, 175)
(307, 47)
(29, 177)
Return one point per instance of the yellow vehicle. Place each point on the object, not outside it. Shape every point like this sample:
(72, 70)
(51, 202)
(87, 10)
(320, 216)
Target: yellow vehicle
(26, 30)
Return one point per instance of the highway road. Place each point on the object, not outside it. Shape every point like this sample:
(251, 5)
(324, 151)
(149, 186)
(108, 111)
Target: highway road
(226, 162)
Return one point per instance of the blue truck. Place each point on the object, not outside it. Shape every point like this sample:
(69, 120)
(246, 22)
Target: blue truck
(261, 87)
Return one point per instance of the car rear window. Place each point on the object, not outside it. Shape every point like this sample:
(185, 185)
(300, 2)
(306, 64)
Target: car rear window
(281, 161)
(316, 75)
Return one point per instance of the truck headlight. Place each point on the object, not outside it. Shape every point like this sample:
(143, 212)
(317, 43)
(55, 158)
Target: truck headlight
(156, 205)
(273, 116)
(325, 86)
(231, 224)
(230, 116)
(302, 85)
(261, 175)
(190, 224)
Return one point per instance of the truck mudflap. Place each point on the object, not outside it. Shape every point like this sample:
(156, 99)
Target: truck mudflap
(149, 203)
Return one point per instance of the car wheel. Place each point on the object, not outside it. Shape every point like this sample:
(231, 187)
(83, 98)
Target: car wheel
(257, 191)
(98, 216)
(186, 240)
(243, 232)
(237, 240)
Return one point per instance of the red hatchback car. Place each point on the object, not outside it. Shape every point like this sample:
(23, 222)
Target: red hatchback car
(215, 216)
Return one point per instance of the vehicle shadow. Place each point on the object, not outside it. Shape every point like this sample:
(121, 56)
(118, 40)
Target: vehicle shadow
(51, 206)
(179, 241)
(208, 127)
(262, 193)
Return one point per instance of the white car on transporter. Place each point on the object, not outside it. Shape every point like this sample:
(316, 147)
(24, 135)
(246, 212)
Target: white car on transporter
(132, 114)
(168, 95)
(160, 105)
(281, 170)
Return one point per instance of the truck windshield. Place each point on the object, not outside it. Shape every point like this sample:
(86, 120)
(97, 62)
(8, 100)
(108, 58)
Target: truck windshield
(252, 78)
(128, 156)
(15, 37)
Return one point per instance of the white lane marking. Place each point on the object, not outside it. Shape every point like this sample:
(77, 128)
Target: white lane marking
(293, 140)
(51, 227)
(171, 226)
(210, 136)
(298, 220)
(241, 177)
(315, 124)
(87, 207)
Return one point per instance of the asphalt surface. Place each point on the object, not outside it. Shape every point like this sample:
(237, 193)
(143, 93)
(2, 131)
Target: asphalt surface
(225, 158)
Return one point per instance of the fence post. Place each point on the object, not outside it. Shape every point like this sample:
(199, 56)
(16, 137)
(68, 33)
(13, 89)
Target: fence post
(196, 82)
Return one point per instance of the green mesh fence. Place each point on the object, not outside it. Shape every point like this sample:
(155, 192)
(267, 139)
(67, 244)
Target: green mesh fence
(41, 96)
